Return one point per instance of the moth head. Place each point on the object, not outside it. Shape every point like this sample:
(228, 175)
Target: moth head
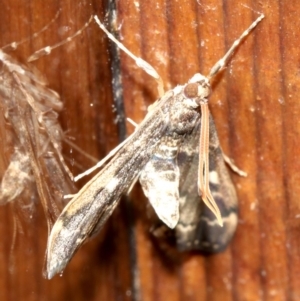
(198, 88)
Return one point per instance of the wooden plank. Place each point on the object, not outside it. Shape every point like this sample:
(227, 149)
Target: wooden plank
(255, 106)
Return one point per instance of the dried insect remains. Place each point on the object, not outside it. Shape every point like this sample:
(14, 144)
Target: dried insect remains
(176, 143)
(32, 134)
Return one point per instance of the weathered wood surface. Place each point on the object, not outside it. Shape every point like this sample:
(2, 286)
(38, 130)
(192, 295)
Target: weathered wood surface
(257, 112)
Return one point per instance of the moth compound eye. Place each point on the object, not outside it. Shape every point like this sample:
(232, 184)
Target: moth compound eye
(194, 90)
(191, 90)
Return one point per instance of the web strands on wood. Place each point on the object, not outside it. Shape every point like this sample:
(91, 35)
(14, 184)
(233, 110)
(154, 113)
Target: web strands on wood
(33, 136)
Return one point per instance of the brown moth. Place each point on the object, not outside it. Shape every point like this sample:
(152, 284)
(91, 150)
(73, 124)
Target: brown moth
(175, 144)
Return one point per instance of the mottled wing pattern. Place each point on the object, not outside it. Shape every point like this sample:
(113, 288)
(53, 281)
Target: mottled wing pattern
(91, 207)
(198, 228)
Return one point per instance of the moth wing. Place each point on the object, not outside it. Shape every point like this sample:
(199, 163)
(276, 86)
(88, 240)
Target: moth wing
(198, 228)
(160, 183)
(86, 213)
(29, 108)
(16, 178)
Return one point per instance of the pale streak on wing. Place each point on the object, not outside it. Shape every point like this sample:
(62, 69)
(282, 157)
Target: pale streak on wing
(160, 181)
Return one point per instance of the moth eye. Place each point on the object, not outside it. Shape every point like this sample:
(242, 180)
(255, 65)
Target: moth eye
(191, 90)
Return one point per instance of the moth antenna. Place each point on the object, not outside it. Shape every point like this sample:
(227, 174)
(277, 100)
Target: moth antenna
(224, 60)
(48, 49)
(14, 45)
(139, 61)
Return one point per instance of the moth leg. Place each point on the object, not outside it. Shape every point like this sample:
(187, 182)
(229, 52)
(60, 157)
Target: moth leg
(103, 161)
(224, 60)
(203, 179)
(79, 150)
(70, 196)
(233, 167)
(132, 122)
(47, 50)
(14, 45)
(139, 61)
(109, 156)
(132, 184)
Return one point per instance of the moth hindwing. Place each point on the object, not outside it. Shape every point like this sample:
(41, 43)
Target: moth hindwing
(165, 154)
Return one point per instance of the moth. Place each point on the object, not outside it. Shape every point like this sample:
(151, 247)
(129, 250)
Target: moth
(176, 155)
(30, 110)
(32, 134)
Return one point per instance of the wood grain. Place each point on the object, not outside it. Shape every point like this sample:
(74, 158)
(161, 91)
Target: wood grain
(257, 113)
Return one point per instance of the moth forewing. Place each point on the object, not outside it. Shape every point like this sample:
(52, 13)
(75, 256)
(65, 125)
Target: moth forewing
(95, 202)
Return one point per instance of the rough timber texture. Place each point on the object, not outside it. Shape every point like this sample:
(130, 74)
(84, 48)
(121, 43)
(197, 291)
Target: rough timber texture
(256, 108)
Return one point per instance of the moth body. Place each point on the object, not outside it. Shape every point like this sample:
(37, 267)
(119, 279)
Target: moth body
(176, 154)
